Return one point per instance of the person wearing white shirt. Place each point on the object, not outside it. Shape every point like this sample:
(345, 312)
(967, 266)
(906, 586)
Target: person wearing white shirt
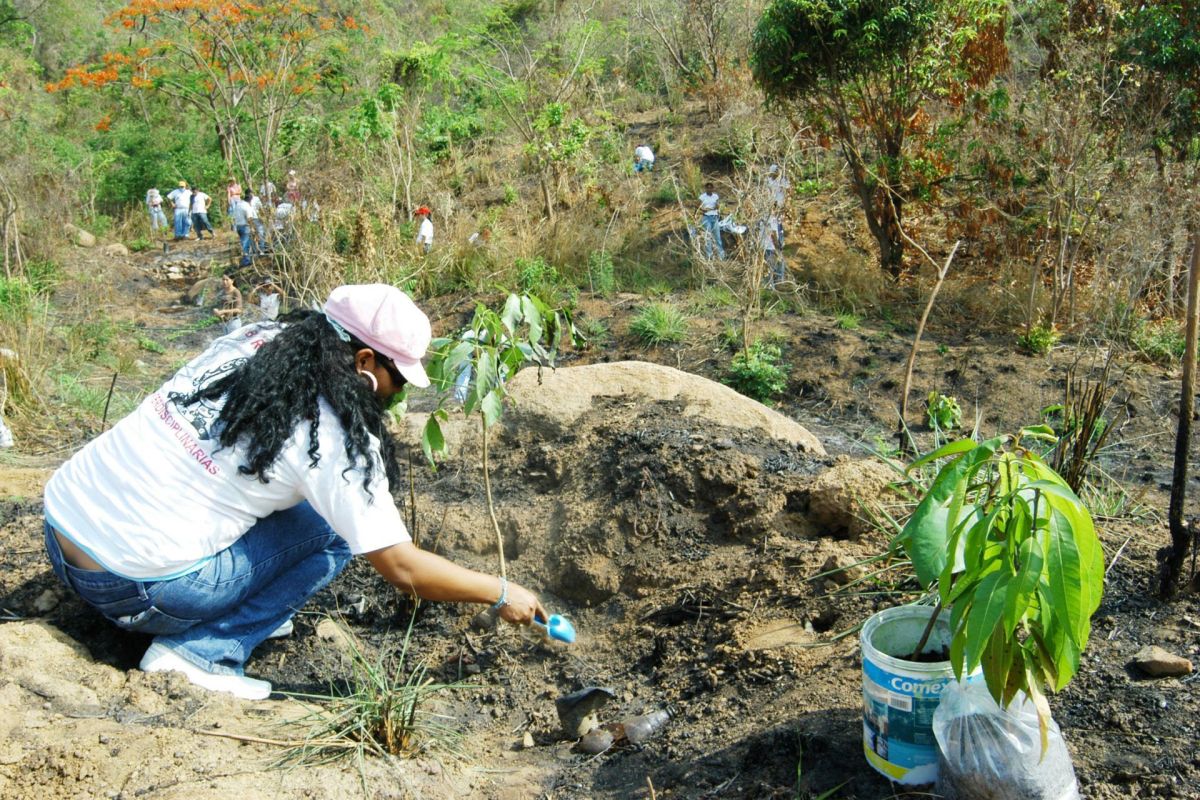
(643, 158)
(200, 223)
(777, 186)
(215, 511)
(425, 230)
(154, 201)
(254, 217)
(710, 219)
(771, 246)
(181, 199)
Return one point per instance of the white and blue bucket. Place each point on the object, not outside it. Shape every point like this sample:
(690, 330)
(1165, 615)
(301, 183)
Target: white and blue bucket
(899, 697)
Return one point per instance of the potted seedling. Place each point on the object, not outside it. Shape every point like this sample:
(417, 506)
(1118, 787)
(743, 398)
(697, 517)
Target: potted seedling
(1017, 570)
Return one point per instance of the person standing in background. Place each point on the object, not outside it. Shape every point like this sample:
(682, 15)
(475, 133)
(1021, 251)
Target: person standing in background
(268, 193)
(710, 220)
(777, 186)
(200, 223)
(254, 216)
(240, 215)
(233, 190)
(425, 230)
(154, 201)
(181, 199)
(293, 188)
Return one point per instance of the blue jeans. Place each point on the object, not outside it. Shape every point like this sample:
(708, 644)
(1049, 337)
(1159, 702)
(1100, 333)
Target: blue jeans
(243, 232)
(215, 616)
(157, 218)
(712, 224)
(200, 224)
(183, 223)
(642, 165)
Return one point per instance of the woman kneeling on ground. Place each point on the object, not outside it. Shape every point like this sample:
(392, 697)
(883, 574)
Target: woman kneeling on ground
(234, 493)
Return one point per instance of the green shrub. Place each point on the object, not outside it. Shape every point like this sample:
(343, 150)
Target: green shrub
(848, 321)
(150, 345)
(140, 244)
(535, 276)
(666, 193)
(1161, 341)
(1038, 341)
(758, 373)
(16, 298)
(510, 194)
(942, 412)
(601, 275)
(659, 323)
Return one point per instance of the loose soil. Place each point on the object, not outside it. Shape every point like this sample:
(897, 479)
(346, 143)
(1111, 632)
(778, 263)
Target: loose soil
(709, 570)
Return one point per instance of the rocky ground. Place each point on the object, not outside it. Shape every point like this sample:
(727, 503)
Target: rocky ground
(683, 529)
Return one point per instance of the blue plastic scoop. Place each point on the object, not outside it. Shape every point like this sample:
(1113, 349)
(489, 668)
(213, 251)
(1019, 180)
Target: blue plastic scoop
(557, 627)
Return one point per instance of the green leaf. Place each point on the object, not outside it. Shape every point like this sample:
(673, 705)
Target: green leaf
(986, 609)
(953, 448)
(432, 440)
(1022, 591)
(1064, 581)
(926, 536)
(492, 407)
(511, 316)
(533, 317)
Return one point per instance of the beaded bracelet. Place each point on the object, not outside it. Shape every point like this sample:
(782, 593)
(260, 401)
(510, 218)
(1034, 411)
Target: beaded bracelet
(503, 601)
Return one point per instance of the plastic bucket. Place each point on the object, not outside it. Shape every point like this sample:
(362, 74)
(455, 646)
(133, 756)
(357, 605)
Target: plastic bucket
(899, 697)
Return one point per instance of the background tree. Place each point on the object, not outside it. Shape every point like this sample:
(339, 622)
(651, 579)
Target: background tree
(866, 74)
(243, 67)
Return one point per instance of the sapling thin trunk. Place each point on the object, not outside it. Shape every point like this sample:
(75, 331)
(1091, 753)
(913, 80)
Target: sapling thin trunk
(487, 486)
(913, 656)
(912, 356)
(1172, 564)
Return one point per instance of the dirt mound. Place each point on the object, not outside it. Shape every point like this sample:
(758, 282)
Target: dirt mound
(552, 402)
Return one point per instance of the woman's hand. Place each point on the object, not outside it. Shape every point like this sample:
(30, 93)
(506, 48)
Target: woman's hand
(522, 606)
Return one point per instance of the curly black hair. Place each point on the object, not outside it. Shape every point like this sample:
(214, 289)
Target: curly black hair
(269, 395)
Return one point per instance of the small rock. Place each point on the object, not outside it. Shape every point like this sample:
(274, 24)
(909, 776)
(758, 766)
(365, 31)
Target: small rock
(1159, 663)
(723, 444)
(596, 741)
(115, 249)
(46, 602)
(330, 631)
(842, 569)
(79, 236)
(527, 741)
(485, 620)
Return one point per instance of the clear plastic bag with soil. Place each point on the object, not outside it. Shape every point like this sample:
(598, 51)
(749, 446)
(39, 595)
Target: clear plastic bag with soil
(987, 753)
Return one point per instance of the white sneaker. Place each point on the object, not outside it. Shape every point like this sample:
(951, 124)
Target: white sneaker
(161, 659)
(283, 631)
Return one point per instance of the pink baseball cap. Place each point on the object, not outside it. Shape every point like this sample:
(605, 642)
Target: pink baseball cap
(386, 320)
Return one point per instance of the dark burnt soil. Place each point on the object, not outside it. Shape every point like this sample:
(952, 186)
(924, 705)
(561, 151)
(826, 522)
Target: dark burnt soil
(689, 559)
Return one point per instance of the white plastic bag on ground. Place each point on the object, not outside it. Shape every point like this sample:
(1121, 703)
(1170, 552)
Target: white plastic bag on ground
(985, 753)
(6, 437)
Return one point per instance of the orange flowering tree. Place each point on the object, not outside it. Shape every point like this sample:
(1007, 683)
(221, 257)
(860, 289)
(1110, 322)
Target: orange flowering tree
(245, 66)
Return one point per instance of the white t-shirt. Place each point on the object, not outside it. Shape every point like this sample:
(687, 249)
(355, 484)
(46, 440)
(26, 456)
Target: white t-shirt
(644, 153)
(269, 304)
(709, 202)
(155, 496)
(200, 202)
(425, 234)
(768, 230)
(778, 186)
(255, 211)
(153, 198)
(182, 198)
